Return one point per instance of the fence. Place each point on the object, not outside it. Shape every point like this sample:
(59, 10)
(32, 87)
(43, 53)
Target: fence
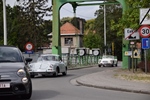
(72, 61)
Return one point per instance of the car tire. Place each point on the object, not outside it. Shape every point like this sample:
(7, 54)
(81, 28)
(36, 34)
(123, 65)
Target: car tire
(28, 96)
(116, 65)
(65, 72)
(56, 72)
(43, 75)
(99, 65)
(32, 76)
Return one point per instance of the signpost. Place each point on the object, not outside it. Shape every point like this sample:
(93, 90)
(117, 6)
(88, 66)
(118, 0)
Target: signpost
(145, 46)
(29, 48)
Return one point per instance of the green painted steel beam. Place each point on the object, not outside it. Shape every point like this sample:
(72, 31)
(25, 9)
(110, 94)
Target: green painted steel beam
(107, 3)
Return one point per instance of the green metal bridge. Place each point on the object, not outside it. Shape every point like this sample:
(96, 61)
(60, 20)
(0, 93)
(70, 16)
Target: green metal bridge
(57, 4)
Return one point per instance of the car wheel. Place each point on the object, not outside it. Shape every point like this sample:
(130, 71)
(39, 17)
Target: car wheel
(103, 65)
(65, 72)
(56, 72)
(99, 65)
(32, 76)
(28, 96)
(43, 75)
(116, 65)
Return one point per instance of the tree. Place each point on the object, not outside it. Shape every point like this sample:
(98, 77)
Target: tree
(130, 18)
(64, 20)
(1, 22)
(92, 41)
(90, 26)
(32, 14)
(113, 12)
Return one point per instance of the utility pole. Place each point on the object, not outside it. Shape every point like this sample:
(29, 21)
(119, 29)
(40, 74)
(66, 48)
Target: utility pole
(105, 26)
(5, 25)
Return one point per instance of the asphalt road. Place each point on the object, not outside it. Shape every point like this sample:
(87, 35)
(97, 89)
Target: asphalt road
(63, 88)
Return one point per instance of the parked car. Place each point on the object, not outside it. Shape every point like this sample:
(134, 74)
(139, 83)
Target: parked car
(48, 64)
(14, 74)
(108, 60)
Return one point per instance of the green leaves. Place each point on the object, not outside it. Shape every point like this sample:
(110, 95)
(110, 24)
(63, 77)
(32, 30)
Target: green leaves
(92, 41)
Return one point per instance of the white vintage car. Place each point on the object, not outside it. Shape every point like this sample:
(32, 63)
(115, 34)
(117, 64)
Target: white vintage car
(48, 64)
(108, 60)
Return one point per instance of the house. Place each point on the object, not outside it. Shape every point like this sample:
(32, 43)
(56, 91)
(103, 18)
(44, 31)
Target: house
(70, 36)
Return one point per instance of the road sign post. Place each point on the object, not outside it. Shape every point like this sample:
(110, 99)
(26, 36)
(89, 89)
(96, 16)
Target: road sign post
(145, 46)
(29, 48)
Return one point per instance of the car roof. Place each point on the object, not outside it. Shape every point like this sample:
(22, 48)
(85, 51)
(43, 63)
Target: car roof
(7, 46)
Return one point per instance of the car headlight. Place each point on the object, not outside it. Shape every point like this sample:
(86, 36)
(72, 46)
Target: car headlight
(51, 66)
(25, 80)
(21, 73)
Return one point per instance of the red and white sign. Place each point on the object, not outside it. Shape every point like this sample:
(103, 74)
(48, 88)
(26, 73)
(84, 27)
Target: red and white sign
(144, 31)
(29, 46)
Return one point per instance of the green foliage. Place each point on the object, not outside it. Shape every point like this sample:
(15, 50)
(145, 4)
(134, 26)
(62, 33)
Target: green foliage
(25, 22)
(130, 18)
(113, 12)
(65, 19)
(92, 41)
(89, 26)
(31, 13)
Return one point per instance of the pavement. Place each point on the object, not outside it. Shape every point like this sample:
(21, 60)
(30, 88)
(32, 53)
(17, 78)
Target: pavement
(107, 80)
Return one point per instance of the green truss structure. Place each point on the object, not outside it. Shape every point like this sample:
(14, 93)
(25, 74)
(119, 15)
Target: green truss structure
(57, 4)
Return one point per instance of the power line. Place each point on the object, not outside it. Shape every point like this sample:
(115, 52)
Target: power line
(76, 13)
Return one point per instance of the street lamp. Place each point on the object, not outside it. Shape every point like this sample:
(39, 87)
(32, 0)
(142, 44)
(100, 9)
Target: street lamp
(105, 27)
(69, 42)
(5, 26)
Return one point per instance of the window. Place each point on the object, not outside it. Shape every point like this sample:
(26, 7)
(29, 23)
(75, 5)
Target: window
(68, 41)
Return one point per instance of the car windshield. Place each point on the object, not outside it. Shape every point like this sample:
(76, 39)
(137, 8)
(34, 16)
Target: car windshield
(50, 58)
(9, 54)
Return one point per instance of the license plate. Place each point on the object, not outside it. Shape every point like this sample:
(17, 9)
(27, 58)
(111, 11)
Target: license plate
(4, 85)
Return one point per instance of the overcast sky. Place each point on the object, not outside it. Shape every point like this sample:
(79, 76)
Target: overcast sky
(86, 12)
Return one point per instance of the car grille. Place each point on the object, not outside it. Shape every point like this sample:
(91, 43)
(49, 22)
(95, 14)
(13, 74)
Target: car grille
(105, 61)
(14, 89)
(7, 91)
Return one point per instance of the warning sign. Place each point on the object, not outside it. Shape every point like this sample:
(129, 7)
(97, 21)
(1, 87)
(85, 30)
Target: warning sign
(136, 54)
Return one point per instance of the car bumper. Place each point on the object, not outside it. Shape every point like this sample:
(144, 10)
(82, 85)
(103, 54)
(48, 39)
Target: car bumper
(15, 89)
(42, 72)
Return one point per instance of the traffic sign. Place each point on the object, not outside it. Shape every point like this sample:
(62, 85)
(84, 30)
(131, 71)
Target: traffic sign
(144, 31)
(130, 34)
(29, 52)
(136, 54)
(128, 53)
(145, 43)
(143, 12)
(29, 46)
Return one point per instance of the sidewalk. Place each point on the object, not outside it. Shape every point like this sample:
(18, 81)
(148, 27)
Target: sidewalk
(106, 80)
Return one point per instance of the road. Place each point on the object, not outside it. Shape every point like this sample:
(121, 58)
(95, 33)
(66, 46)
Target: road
(62, 88)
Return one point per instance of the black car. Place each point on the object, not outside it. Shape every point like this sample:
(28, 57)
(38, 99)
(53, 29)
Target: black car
(14, 73)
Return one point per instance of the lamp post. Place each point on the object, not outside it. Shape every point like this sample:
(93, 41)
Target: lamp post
(5, 26)
(69, 42)
(105, 27)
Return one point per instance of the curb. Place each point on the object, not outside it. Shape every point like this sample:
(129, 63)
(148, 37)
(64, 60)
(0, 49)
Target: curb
(113, 88)
(81, 67)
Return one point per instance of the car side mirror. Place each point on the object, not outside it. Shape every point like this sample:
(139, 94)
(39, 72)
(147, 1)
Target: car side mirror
(28, 60)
